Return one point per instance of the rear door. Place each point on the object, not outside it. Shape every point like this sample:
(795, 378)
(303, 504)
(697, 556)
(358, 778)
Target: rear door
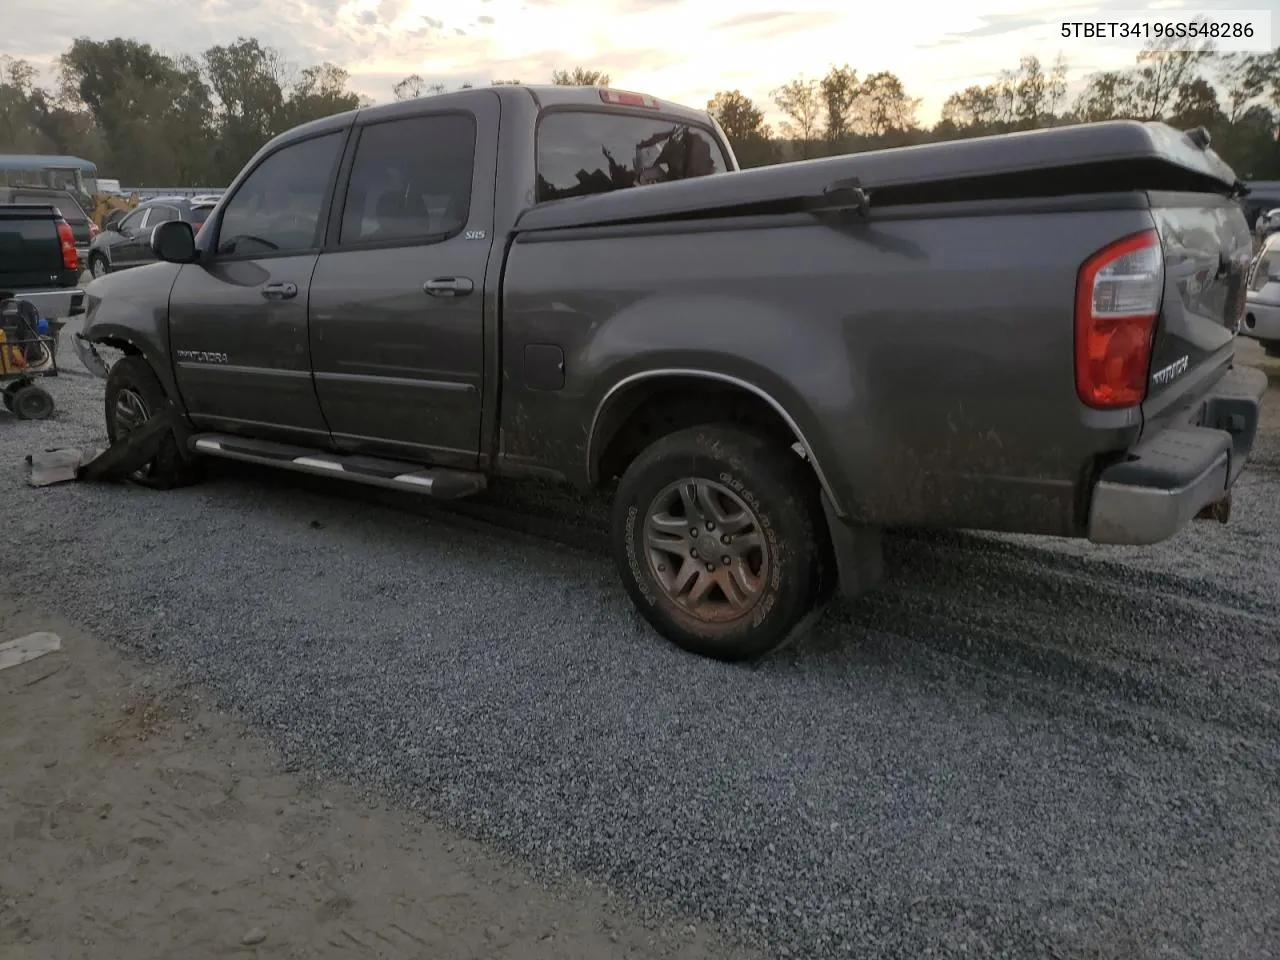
(397, 299)
(238, 318)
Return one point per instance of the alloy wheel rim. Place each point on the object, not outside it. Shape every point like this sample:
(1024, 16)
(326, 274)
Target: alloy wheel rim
(706, 549)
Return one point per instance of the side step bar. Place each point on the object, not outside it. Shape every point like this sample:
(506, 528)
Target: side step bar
(439, 482)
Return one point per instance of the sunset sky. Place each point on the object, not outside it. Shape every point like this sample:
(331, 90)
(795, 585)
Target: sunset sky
(684, 50)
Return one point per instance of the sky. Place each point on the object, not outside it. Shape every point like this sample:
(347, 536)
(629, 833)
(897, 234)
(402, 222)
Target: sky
(682, 50)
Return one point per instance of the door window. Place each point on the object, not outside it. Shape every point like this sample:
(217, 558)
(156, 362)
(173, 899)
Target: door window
(411, 180)
(582, 152)
(133, 222)
(162, 214)
(276, 210)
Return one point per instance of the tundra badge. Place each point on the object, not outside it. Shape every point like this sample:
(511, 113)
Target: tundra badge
(200, 356)
(1171, 372)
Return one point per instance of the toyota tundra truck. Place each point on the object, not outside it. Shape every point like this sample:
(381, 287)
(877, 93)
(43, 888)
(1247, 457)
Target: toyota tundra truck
(764, 369)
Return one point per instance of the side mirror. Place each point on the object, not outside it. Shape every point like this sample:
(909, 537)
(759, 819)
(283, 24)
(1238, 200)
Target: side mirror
(173, 242)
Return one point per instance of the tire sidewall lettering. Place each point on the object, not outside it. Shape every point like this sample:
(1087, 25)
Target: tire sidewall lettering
(770, 531)
(633, 561)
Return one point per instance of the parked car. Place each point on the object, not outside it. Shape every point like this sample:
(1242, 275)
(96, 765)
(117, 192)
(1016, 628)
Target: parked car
(126, 242)
(1267, 224)
(1262, 311)
(764, 368)
(1262, 198)
(83, 229)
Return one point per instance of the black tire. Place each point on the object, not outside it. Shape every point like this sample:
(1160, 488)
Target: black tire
(1271, 347)
(31, 402)
(133, 375)
(774, 487)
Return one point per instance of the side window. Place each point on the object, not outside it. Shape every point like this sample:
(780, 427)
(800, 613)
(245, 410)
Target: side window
(133, 221)
(585, 152)
(162, 214)
(411, 180)
(277, 207)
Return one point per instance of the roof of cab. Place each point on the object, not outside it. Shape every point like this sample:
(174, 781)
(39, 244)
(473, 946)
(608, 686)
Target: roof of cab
(544, 96)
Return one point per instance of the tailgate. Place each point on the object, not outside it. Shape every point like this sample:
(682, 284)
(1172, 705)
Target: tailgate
(30, 252)
(1207, 254)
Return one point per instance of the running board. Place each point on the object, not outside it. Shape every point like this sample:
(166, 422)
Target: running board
(439, 482)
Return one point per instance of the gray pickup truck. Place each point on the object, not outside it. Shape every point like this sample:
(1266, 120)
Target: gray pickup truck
(1030, 333)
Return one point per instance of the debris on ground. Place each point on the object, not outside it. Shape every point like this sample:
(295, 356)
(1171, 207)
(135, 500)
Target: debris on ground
(28, 648)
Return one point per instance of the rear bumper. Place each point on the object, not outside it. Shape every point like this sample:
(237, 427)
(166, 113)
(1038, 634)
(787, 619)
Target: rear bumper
(1168, 479)
(1261, 320)
(55, 304)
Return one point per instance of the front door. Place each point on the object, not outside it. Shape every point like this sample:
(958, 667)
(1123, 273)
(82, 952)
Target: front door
(238, 318)
(397, 299)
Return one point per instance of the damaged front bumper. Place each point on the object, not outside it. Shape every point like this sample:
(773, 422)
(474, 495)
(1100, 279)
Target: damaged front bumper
(122, 459)
(89, 355)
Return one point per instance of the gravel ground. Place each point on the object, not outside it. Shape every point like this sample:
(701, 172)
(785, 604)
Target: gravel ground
(1017, 747)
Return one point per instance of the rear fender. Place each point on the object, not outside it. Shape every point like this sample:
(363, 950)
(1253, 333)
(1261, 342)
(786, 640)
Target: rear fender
(757, 347)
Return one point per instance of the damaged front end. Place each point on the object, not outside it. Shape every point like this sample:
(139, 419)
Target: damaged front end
(89, 356)
(121, 460)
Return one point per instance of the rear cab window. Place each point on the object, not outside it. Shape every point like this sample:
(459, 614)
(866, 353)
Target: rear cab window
(584, 152)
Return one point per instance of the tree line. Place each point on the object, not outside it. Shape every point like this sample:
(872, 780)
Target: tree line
(150, 119)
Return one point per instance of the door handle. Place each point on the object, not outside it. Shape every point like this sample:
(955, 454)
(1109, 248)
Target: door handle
(448, 287)
(280, 291)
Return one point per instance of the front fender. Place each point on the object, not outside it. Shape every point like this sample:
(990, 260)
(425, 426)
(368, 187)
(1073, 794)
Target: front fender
(130, 311)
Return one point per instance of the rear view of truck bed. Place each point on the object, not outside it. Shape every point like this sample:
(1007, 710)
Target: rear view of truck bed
(38, 259)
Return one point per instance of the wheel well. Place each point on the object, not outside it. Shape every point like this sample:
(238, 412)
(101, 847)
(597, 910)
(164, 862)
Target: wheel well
(654, 408)
(121, 344)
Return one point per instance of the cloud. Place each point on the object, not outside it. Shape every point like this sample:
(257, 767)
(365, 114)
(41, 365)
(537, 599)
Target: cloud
(747, 19)
(368, 17)
(433, 23)
(779, 21)
(485, 19)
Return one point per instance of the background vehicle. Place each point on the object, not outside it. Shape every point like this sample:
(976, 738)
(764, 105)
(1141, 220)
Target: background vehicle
(83, 229)
(1004, 333)
(38, 261)
(1263, 195)
(1267, 223)
(1262, 311)
(127, 242)
(73, 174)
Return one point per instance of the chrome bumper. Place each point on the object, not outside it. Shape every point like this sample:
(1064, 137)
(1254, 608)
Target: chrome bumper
(1166, 481)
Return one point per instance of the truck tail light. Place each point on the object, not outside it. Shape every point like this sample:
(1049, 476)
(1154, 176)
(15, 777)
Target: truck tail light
(70, 258)
(1118, 294)
(621, 98)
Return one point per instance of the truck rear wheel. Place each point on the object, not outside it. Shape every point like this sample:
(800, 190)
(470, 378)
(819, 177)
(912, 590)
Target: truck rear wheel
(134, 395)
(715, 536)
